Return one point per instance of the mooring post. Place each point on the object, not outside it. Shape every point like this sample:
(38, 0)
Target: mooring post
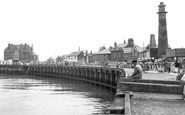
(110, 77)
(94, 74)
(127, 103)
(183, 91)
(90, 74)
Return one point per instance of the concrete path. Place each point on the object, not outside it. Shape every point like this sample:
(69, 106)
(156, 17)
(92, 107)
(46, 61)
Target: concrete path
(155, 75)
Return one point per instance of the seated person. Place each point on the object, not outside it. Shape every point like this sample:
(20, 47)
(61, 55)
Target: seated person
(179, 76)
(137, 74)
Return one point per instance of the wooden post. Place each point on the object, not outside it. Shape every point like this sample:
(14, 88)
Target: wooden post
(127, 103)
(110, 77)
(90, 70)
(184, 92)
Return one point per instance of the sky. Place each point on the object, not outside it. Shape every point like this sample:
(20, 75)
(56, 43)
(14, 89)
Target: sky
(59, 27)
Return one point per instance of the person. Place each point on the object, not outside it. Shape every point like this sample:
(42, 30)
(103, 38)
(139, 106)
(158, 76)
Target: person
(178, 65)
(137, 74)
(179, 76)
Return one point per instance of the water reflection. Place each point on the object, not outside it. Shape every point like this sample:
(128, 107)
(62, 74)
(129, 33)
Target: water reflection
(25, 95)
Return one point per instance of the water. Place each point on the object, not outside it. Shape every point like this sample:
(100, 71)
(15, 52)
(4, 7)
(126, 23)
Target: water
(25, 95)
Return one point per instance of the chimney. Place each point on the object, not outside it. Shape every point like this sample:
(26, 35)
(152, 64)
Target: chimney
(25, 45)
(124, 42)
(78, 49)
(130, 42)
(9, 46)
(152, 41)
(115, 45)
(32, 48)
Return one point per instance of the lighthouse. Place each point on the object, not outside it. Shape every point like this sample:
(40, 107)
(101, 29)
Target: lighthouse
(162, 31)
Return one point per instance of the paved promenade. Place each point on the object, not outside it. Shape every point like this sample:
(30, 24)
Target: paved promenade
(147, 106)
(154, 75)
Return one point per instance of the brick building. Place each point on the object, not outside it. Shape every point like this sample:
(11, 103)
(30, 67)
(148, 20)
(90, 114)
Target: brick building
(125, 52)
(130, 50)
(20, 53)
(117, 53)
(102, 56)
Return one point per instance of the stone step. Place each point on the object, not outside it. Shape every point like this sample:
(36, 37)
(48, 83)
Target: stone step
(152, 81)
(163, 96)
(115, 114)
(118, 106)
(151, 87)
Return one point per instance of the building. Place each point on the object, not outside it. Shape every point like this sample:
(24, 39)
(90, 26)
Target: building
(102, 56)
(117, 53)
(20, 53)
(76, 57)
(144, 55)
(65, 57)
(90, 58)
(59, 60)
(162, 31)
(176, 53)
(130, 50)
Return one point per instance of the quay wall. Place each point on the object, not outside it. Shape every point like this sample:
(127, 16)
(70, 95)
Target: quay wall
(13, 69)
(107, 77)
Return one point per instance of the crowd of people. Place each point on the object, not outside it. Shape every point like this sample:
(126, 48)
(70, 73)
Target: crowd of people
(160, 66)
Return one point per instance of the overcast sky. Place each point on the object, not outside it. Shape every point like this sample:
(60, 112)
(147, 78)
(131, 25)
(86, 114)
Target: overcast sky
(57, 27)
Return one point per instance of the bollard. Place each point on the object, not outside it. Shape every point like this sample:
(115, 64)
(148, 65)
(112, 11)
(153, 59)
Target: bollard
(127, 103)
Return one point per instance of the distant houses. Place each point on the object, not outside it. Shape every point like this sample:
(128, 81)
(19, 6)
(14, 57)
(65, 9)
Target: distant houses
(118, 53)
(124, 52)
(75, 57)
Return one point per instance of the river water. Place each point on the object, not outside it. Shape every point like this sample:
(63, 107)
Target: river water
(26, 95)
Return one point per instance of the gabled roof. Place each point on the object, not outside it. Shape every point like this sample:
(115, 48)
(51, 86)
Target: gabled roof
(64, 56)
(21, 47)
(105, 51)
(122, 45)
(74, 54)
